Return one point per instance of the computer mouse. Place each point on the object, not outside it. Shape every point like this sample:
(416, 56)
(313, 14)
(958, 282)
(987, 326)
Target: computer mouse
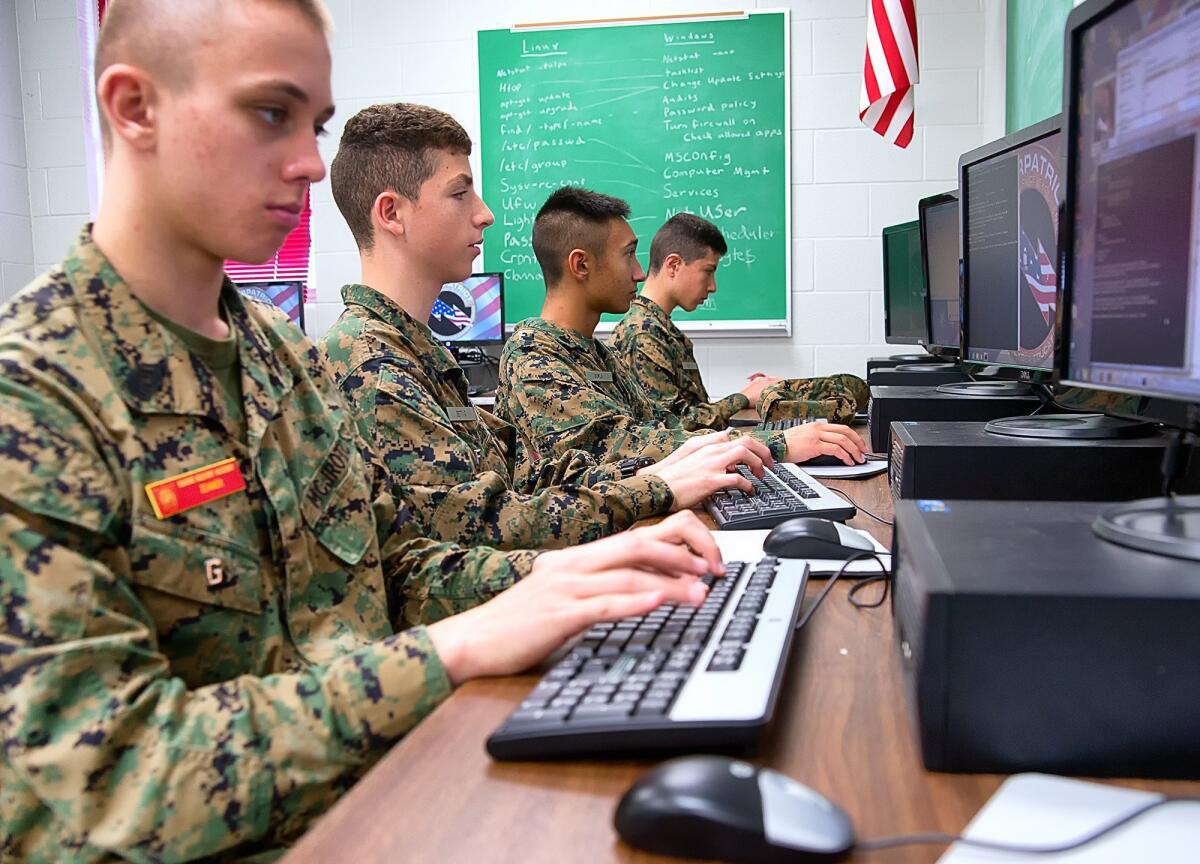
(822, 461)
(714, 807)
(806, 537)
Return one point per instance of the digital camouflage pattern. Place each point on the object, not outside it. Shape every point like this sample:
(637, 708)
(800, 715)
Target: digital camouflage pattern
(663, 360)
(450, 463)
(834, 397)
(171, 688)
(565, 391)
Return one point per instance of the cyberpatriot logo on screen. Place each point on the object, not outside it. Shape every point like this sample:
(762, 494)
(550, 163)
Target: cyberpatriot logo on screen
(453, 312)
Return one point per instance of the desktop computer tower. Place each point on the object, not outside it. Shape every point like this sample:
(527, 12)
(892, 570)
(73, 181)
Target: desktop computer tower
(918, 375)
(896, 404)
(962, 460)
(874, 363)
(1029, 644)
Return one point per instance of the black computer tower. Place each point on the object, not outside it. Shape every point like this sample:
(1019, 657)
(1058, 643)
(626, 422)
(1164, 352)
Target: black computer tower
(913, 375)
(962, 460)
(895, 404)
(874, 363)
(1029, 644)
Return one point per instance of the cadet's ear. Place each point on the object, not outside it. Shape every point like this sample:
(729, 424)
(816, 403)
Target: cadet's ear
(672, 263)
(128, 99)
(579, 264)
(389, 213)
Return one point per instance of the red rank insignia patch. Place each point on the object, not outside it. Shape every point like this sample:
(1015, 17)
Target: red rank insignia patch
(185, 491)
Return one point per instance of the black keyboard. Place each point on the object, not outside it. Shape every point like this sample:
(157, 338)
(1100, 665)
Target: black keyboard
(780, 425)
(785, 492)
(676, 678)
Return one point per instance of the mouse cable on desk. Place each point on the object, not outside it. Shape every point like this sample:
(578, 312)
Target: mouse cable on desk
(858, 506)
(945, 839)
(882, 576)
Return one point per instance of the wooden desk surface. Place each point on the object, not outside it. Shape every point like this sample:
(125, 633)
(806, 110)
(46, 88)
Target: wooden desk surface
(842, 728)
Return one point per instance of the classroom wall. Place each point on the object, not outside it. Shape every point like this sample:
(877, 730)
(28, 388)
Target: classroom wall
(16, 227)
(51, 88)
(847, 184)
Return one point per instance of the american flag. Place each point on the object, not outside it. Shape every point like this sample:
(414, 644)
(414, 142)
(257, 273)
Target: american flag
(890, 70)
(442, 309)
(1039, 275)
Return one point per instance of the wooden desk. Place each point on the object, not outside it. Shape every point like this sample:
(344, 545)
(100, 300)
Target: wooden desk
(842, 728)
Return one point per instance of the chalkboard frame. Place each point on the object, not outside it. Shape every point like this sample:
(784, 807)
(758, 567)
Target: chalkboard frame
(770, 327)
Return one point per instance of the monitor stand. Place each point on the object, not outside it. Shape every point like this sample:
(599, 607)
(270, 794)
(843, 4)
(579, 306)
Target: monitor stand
(1075, 426)
(914, 358)
(1169, 525)
(998, 389)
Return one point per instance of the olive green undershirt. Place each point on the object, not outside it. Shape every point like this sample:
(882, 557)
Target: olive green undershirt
(220, 356)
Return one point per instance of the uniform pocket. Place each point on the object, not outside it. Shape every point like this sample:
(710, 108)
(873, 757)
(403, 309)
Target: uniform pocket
(194, 565)
(336, 504)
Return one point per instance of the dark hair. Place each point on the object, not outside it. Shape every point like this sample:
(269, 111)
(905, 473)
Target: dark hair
(572, 218)
(687, 236)
(388, 147)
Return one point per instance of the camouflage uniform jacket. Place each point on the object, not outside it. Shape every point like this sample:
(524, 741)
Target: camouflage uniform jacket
(563, 390)
(450, 463)
(174, 687)
(663, 360)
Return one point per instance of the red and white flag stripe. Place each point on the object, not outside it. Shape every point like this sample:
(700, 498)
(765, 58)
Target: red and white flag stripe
(890, 70)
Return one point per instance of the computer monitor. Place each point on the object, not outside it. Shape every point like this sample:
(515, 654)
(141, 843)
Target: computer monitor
(904, 320)
(470, 312)
(1009, 195)
(287, 296)
(1130, 223)
(939, 251)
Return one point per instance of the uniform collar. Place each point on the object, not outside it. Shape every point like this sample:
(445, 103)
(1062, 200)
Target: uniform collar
(416, 335)
(151, 369)
(656, 312)
(565, 336)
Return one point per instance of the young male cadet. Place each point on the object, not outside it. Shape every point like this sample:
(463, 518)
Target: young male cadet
(684, 256)
(402, 181)
(563, 389)
(195, 653)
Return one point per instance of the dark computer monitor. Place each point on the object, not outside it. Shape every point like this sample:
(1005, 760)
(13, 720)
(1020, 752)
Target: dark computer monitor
(470, 312)
(939, 251)
(1009, 195)
(1130, 222)
(287, 296)
(904, 320)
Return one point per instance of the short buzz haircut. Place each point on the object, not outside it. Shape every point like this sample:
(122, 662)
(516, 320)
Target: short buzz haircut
(157, 35)
(389, 147)
(688, 236)
(572, 218)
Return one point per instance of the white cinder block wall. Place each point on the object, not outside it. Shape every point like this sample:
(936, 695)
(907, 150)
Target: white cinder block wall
(16, 228)
(847, 184)
(52, 93)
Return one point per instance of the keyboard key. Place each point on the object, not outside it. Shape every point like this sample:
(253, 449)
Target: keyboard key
(587, 713)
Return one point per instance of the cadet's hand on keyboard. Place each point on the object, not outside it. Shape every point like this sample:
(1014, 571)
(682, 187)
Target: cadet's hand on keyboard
(711, 468)
(825, 439)
(568, 590)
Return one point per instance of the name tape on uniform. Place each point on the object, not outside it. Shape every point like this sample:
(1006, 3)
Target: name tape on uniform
(461, 415)
(193, 488)
(690, 365)
(598, 377)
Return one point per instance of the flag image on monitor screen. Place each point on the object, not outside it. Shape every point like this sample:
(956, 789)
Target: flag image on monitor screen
(471, 311)
(286, 296)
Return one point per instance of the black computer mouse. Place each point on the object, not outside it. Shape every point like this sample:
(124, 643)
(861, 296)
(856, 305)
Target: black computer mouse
(822, 461)
(806, 537)
(714, 807)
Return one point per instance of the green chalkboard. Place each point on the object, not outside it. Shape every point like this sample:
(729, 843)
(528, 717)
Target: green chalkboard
(671, 116)
(1035, 60)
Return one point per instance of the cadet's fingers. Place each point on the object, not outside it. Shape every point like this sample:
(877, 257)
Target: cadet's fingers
(758, 448)
(849, 433)
(625, 582)
(644, 550)
(738, 453)
(685, 527)
(730, 479)
(846, 442)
